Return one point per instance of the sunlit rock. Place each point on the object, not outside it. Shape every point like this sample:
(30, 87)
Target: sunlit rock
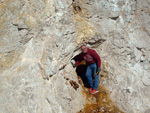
(38, 39)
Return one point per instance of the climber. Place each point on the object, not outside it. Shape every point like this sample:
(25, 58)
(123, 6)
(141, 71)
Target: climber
(93, 66)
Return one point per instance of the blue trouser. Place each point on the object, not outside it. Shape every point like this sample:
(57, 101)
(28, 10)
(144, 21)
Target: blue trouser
(92, 69)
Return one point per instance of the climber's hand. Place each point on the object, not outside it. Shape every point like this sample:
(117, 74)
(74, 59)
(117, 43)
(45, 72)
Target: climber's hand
(73, 63)
(99, 69)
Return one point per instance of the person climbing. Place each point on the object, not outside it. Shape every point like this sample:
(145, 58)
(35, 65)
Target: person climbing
(93, 61)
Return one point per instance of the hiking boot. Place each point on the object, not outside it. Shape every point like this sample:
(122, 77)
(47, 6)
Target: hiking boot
(90, 89)
(94, 91)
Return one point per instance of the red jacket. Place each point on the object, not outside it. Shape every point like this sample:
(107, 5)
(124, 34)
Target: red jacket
(91, 57)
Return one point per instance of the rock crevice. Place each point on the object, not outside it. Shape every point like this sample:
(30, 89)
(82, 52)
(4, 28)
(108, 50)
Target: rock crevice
(39, 38)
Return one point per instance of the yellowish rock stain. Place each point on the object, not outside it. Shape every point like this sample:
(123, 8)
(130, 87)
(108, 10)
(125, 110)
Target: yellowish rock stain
(6, 61)
(84, 29)
(101, 101)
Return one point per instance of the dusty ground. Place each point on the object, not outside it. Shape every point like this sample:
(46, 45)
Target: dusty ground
(103, 103)
(99, 102)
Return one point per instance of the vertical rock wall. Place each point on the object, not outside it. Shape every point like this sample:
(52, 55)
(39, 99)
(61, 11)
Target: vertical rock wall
(38, 39)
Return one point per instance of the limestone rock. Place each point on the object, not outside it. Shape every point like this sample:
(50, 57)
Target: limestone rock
(39, 38)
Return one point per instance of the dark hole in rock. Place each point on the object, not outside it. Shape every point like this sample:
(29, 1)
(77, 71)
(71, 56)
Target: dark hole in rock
(74, 84)
(77, 8)
(115, 18)
(66, 78)
(102, 75)
(50, 75)
(103, 102)
(19, 29)
(139, 48)
(141, 61)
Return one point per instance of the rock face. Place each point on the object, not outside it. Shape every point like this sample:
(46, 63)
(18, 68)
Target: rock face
(39, 37)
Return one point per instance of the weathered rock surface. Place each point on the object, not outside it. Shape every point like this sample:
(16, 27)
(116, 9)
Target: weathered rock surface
(38, 39)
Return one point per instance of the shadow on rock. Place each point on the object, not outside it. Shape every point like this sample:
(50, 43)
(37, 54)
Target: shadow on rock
(81, 70)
